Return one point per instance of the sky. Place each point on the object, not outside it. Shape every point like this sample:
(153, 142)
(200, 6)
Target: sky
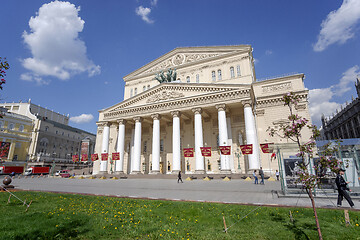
(71, 56)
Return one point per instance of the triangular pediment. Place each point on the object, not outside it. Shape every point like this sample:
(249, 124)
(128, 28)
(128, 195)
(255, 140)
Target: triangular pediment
(181, 57)
(167, 92)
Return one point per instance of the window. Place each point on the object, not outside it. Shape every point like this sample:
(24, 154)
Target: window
(131, 92)
(232, 73)
(21, 128)
(197, 78)
(1, 124)
(144, 88)
(161, 145)
(56, 131)
(213, 77)
(219, 75)
(11, 126)
(145, 146)
(46, 129)
(148, 87)
(187, 79)
(135, 91)
(238, 70)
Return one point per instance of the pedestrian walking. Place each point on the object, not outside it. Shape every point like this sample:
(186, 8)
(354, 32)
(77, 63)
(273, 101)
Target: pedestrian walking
(342, 189)
(256, 178)
(261, 173)
(179, 177)
(277, 174)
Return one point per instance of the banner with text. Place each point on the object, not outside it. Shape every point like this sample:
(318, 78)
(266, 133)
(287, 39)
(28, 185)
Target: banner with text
(205, 151)
(75, 158)
(116, 156)
(94, 157)
(104, 156)
(225, 150)
(188, 152)
(246, 149)
(266, 147)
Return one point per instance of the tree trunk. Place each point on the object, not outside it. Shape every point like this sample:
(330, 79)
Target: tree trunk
(309, 191)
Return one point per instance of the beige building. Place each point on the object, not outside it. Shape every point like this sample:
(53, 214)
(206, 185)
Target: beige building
(215, 101)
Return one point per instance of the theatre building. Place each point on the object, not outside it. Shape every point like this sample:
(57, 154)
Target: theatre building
(213, 100)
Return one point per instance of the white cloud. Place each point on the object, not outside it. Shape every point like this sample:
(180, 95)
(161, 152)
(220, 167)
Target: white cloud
(83, 118)
(256, 61)
(56, 48)
(268, 52)
(338, 27)
(154, 2)
(321, 99)
(144, 12)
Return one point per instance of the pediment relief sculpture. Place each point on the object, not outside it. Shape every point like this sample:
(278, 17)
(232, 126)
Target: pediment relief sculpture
(165, 95)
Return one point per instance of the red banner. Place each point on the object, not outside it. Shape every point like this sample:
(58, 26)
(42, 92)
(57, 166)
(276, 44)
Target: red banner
(94, 157)
(205, 151)
(188, 152)
(84, 157)
(75, 158)
(104, 156)
(116, 156)
(246, 149)
(265, 147)
(225, 150)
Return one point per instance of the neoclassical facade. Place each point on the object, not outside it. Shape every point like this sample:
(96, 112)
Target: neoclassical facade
(215, 101)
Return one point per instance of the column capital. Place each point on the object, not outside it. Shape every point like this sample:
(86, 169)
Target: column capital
(155, 116)
(121, 121)
(113, 124)
(137, 119)
(197, 110)
(246, 103)
(175, 113)
(220, 107)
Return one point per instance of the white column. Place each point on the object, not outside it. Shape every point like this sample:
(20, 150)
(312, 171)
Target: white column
(223, 137)
(119, 164)
(176, 164)
(251, 136)
(199, 163)
(135, 165)
(105, 147)
(155, 159)
(230, 143)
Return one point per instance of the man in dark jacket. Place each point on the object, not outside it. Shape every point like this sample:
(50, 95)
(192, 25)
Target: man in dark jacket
(179, 177)
(342, 187)
(261, 172)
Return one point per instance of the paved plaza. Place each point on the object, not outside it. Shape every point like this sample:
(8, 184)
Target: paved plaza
(234, 191)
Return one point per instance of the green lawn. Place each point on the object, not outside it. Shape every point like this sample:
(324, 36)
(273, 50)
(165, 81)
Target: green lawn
(65, 216)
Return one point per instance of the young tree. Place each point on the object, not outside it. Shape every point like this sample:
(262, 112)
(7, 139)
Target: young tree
(4, 65)
(292, 131)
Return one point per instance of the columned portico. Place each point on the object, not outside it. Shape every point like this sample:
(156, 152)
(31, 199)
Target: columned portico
(156, 144)
(223, 137)
(176, 142)
(135, 165)
(199, 163)
(251, 136)
(120, 146)
(105, 146)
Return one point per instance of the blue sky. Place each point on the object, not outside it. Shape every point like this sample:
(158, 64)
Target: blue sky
(71, 56)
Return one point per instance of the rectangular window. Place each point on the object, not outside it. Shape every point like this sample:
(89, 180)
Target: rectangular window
(219, 75)
(145, 147)
(131, 92)
(187, 79)
(232, 73)
(197, 78)
(213, 77)
(238, 70)
(161, 145)
(135, 91)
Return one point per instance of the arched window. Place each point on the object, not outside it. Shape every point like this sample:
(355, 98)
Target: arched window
(213, 77)
(219, 75)
(44, 142)
(135, 91)
(148, 87)
(144, 88)
(131, 92)
(11, 126)
(238, 70)
(232, 73)
(187, 79)
(197, 78)
(21, 128)
(46, 129)
(1, 124)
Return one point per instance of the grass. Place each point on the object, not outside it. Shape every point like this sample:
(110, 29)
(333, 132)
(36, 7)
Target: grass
(66, 216)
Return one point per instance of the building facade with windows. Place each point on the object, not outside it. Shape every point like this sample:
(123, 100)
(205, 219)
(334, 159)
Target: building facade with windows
(344, 124)
(215, 101)
(51, 138)
(15, 137)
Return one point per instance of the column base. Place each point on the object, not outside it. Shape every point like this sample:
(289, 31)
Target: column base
(175, 171)
(155, 172)
(199, 171)
(225, 171)
(135, 172)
